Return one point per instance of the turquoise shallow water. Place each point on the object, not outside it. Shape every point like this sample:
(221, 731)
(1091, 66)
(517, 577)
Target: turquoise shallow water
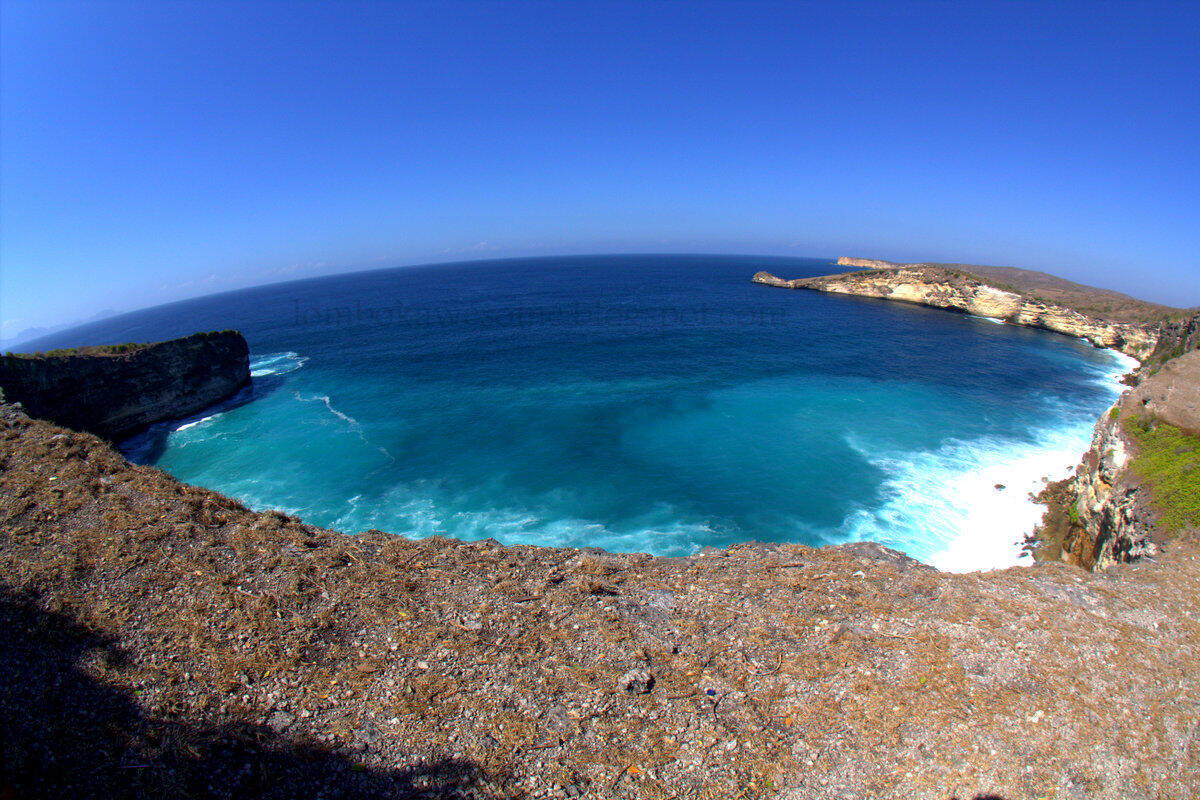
(636, 403)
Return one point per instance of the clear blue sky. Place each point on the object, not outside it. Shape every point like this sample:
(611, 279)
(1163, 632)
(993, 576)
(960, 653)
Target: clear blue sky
(152, 151)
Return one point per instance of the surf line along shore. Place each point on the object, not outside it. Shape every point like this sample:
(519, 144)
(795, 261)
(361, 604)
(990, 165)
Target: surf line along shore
(256, 638)
(1110, 515)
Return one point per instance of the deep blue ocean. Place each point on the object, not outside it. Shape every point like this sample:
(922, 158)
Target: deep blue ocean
(636, 403)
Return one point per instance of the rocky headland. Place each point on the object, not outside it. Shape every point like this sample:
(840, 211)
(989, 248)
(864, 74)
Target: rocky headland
(956, 290)
(1109, 511)
(115, 391)
(1144, 460)
(867, 263)
(160, 640)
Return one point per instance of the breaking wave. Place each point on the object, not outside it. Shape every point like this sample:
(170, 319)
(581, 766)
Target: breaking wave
(276, 364)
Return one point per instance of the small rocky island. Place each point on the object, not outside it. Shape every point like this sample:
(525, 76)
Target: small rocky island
(162, 640)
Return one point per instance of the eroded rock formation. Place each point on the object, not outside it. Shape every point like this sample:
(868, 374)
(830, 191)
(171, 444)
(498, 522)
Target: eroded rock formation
(960, 291)
(1110, 518)
(115, 393)
(1109, 521)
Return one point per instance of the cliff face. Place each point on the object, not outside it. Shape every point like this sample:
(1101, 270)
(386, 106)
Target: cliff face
(869, 263)
(116, 394)
(1175, 337)
(1110, 521)
(1172, 394)
(1113, 515)
(950, 289)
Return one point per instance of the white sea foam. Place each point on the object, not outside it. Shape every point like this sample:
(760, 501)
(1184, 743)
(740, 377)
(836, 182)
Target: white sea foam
(324, 398)
(354, 424)
(942, 507)
(1123, 365)
(987, 319)
(193, 424)
(276, 364)
(419, 513)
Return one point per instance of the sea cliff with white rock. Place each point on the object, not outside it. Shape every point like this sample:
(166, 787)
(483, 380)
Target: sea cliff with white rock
(1103, 512)
(960, 291)
(161, 640)
(164, 640)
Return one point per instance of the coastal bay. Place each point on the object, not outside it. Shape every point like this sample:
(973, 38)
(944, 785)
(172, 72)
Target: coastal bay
(667, 406)
(474, 667)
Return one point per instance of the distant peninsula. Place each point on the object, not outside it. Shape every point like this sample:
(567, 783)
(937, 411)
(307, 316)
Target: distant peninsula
(1136, 484)
(957, 289)
(163, 640)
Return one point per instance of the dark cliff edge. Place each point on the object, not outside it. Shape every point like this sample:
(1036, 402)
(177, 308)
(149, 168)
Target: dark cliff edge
(117, 391)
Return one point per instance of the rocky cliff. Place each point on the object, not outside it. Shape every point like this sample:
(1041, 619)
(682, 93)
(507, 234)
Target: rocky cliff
(960, 291)
(1110, 510)
(1108, 519)
(1175, 337)
(161, 640)
(1171, 394)
(868, 263)
(116, 391)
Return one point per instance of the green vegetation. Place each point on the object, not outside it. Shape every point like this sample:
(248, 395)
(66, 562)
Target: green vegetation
(1167, 460)
(1175, 352)
(93, 350)
(108, 349)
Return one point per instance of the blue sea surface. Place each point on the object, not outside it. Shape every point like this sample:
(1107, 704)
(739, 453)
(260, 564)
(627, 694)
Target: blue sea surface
(637, 403)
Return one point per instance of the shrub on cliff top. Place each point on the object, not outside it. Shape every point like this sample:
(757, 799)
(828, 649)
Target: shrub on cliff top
(110, 349)
(1167, 460)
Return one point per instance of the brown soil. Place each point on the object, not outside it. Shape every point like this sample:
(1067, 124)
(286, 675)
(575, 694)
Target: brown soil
(160, 640)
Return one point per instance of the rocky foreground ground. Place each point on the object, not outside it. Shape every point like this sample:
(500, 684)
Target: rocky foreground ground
(160, 640)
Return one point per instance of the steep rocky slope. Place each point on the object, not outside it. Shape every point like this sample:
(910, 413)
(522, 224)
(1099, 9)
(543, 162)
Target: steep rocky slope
(162, 641)
(960, 291)
(1107, 512)
(1171, 394)
(1175, 337)
(116, 391)
(1106, 517)
(1091, 301)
